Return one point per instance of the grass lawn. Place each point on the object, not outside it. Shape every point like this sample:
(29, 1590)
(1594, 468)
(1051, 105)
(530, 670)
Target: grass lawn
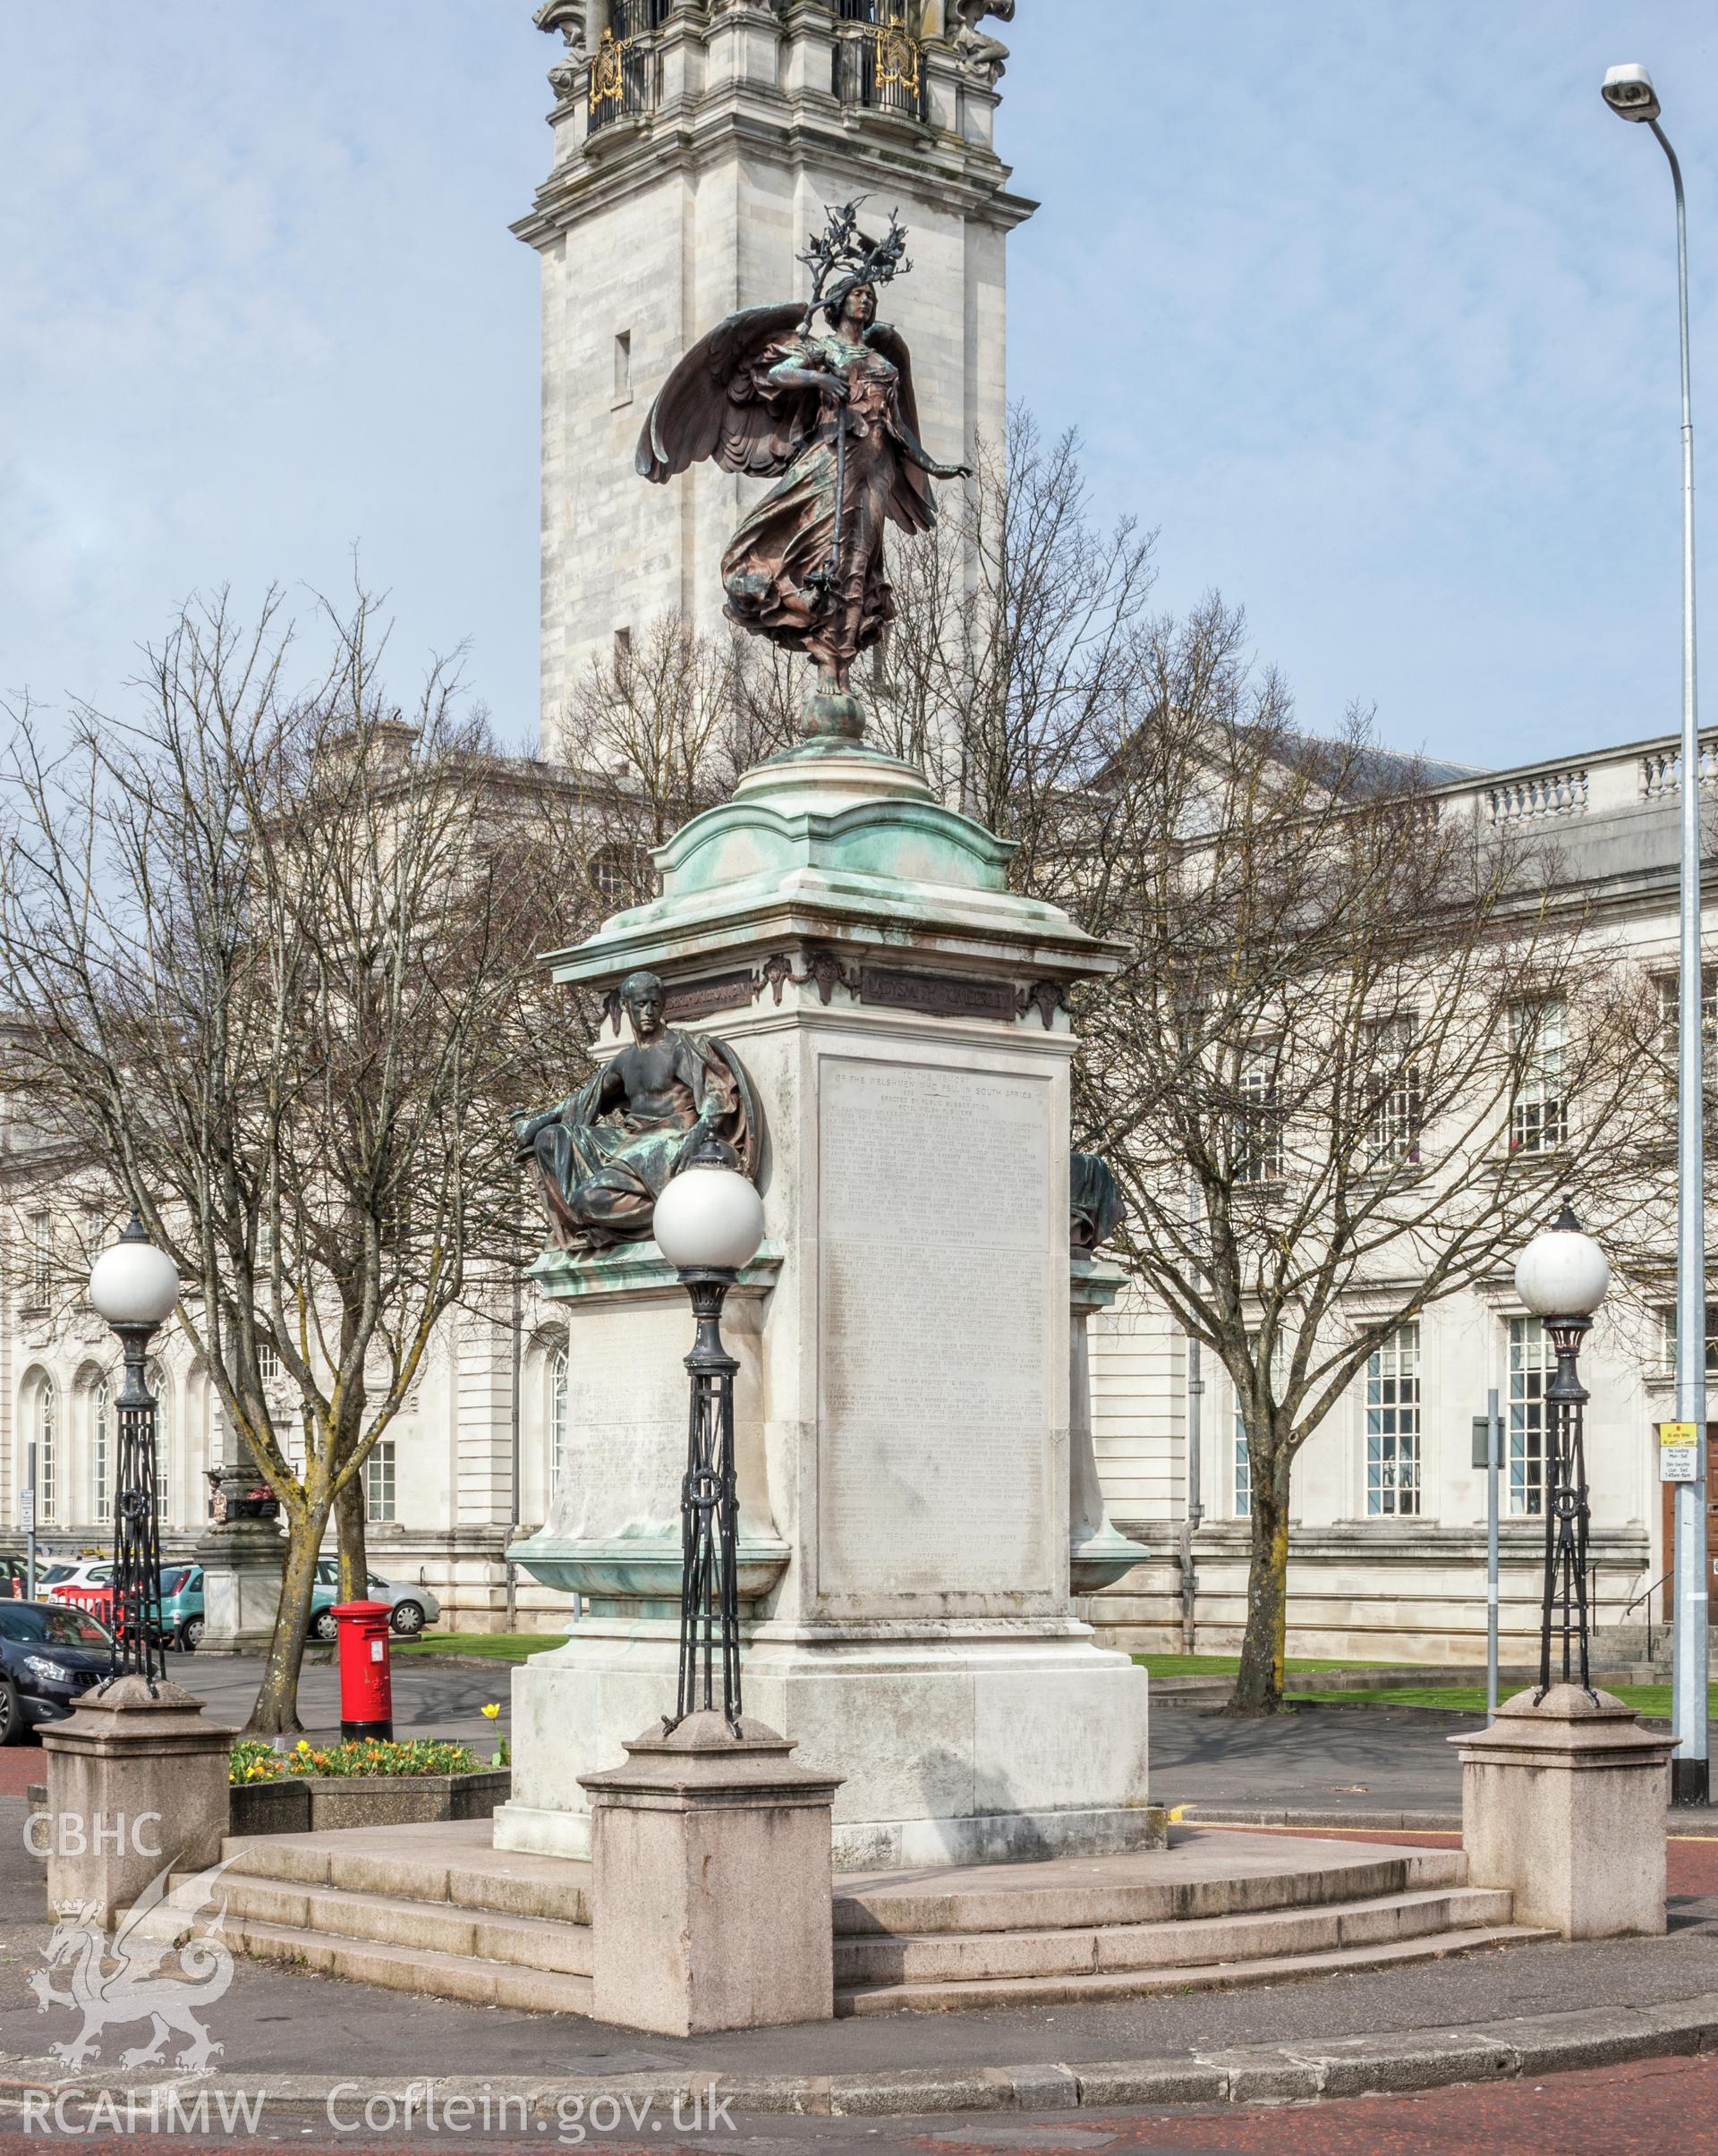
(494, 1646)
(1226, 1665)
(1465, 1698)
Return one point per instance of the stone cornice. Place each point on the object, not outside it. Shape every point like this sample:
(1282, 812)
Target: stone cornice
(694, 138)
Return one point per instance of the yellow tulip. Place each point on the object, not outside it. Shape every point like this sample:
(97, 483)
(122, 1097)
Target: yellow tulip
(490, 1711)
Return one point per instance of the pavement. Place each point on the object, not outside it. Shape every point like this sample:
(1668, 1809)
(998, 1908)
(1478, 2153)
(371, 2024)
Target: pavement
(1164, 2073)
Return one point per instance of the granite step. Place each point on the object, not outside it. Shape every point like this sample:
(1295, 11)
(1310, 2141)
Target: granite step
(1202, 1875)
(1096, 1950)
(437, 1910)
(1099, 1986)
(404, 1968)
(438, 1927)
(451, 1862)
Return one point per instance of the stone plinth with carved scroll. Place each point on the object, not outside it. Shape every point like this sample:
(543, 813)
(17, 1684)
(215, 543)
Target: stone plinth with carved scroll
(902, 1405)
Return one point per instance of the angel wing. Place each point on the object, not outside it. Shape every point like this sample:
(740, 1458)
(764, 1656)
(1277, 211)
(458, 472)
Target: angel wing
(912, 500)
(714, 404)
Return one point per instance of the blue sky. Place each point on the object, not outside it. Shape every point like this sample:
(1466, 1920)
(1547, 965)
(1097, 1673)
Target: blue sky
(1366, 305)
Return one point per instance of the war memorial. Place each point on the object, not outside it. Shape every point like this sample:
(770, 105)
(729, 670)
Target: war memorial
(829, 1735)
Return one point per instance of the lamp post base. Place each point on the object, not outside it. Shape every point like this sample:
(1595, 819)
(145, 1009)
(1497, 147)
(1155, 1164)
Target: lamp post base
(1689, 1781)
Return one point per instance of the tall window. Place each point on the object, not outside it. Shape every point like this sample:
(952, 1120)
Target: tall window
(1538, 1037)
(557, 1422)
(1258, 1127)
(1667, 1320)
(1393, 1088)
(267, 1361)
(163, 1423)
(1243, 1464)
(1669, 1026)
(1393, 1425)
(1531, 1364)
(100, 1419)
(378, 1481)
(47, 1431)
(41, 1257)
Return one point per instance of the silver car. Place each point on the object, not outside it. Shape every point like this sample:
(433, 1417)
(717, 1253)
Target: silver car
(412, 1608)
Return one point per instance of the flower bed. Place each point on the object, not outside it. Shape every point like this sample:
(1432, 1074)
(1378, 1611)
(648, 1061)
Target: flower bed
(254, 1761)
(312, 1788)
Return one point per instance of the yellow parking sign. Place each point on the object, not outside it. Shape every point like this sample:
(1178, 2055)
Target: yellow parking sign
(1678, 1454)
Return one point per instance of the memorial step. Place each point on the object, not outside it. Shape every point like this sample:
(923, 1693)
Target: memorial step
(1117, 1949)
(437, 1909)
(1204, 1873)
(401, 1968)
(438, 1927)
(1212, 1976)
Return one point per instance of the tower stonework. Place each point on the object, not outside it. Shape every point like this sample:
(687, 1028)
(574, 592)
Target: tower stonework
(697, 143)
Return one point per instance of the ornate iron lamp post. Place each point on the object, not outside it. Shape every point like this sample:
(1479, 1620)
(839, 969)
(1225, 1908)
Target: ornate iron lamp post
(709, 1225)
(1561, 1277)
(134, 1287)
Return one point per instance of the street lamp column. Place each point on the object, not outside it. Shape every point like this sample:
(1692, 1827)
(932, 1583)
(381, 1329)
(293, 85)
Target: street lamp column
(1629, 91)
(134, 1287)
(709, 1226)
(1562, 1277)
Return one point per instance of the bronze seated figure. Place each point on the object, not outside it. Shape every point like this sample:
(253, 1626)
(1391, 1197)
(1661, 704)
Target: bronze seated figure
(605, 1155)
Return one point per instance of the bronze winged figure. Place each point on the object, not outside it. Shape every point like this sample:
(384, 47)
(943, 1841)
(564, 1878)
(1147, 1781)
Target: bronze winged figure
(833, 417)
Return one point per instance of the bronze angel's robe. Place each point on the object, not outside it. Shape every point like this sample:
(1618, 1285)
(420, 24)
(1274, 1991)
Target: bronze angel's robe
(720, 403)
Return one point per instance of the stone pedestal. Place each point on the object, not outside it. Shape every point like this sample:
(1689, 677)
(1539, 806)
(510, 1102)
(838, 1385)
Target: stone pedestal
(1564, 1804)
(137, 1783)
(710, 1893)
(902, 1408)
(243, 1561)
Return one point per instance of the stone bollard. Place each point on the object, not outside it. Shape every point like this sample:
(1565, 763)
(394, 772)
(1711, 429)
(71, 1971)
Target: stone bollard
(1564, 1802)
(137, 1782)
(711, 1882)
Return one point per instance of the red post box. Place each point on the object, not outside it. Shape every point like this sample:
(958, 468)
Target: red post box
(366, 1685)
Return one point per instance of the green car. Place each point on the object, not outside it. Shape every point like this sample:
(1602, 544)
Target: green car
(182, 1606)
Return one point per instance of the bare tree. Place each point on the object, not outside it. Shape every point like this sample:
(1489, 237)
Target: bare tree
(272, 948)
(1357, 1028)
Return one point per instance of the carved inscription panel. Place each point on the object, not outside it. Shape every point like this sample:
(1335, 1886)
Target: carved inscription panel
(934, 1369)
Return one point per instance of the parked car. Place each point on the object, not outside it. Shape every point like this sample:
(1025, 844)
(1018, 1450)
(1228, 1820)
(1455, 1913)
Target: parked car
(86, 1583)
(412, 1608)
(49, 1657)
(182, 1606)
(75, 1573)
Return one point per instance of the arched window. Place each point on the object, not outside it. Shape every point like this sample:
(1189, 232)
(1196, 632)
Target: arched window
(100, 1425)
(557, 1422)
(47, 1420)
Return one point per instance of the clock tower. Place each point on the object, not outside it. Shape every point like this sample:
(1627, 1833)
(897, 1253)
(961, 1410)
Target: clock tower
(697, 144)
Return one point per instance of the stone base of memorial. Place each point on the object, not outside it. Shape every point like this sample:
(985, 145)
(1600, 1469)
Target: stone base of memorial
(243, 1561)
(902, 1410)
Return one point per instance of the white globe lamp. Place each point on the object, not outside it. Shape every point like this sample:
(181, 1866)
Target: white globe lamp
(133, 1283)
(710, 1218)
(1562, 1273)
